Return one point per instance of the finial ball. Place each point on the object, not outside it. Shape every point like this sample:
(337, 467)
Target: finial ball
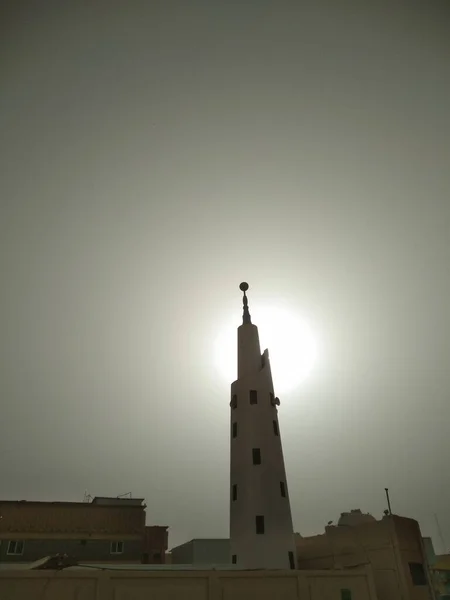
(244, 286)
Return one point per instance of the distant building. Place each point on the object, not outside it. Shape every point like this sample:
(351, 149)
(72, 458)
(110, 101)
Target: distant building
(104, 530)
(392, 546)
(202, 552)
(440, 570)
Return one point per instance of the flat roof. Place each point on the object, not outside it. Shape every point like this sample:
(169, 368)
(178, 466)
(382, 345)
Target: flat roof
(140, 567)
(59, 503)
(227, 540)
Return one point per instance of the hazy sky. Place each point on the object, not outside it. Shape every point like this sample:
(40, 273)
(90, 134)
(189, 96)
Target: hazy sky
(154, 155)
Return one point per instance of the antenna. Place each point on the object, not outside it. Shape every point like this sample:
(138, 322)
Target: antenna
(87, 497)
(388, 500)
(126, 494)
(441, 536)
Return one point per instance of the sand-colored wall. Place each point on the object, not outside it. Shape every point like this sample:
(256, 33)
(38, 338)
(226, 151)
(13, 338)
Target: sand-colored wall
(387, 545)
(200, 585)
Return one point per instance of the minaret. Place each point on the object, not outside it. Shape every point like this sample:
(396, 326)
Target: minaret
(261, 532)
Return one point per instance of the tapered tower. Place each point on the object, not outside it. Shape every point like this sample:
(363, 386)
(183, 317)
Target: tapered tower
(261, 532)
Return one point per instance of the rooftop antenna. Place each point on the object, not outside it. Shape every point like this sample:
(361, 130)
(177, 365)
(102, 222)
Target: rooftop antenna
(87, 497)
(441, 536)
(388, 501)
(126, 494)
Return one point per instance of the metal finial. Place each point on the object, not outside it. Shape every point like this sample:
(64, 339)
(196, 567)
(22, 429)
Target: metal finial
(246, 316)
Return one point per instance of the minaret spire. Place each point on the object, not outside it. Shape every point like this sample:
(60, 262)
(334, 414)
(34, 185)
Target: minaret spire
(246, 319)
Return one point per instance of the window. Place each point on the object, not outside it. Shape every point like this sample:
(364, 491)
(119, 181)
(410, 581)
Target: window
(234, 493)
(259, 524)
(235, 429)
(275, 428)
(272, 399)
(256, 452)
(417, 574)
(291, 560)
(157, 559)
(15, 547)
(253, 397)
(234, 559)
(116, 547)
(233, 402)
(346, 594)
(282, 489)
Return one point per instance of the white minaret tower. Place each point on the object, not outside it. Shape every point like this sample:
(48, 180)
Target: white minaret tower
(261, 532)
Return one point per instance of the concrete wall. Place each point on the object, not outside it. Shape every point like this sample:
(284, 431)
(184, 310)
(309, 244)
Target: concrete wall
(411, 549)
(200, 585)
(95, 550)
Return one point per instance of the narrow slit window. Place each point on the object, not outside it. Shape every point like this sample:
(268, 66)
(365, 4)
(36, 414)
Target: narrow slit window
(275, 427)
(282, 489)
(259, 524)
(291, 560)
(234, 559)
(253, 397)
(235, 429)
(234, 492)
(256, 453)
(234, 401)
(272, 399)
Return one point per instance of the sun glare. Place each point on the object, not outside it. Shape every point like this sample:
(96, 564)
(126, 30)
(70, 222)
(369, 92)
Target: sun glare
(291, 343)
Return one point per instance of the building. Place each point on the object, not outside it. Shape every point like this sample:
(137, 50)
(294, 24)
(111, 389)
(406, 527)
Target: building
(202, 552)
(104, 530)
(440, 570)
(261, 532)
(392, 546)
(355, 517)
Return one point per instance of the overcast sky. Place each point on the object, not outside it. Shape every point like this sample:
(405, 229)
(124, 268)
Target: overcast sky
(154, 155)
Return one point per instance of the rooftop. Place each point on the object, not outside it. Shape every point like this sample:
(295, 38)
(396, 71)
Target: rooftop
(97, 501)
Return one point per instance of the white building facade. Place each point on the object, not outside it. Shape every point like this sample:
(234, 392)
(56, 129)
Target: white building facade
(261, 531)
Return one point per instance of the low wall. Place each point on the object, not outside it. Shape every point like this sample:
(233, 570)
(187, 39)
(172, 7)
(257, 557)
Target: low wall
(92, 584)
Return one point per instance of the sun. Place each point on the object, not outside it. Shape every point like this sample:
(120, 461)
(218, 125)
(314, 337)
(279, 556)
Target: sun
(290, 340)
